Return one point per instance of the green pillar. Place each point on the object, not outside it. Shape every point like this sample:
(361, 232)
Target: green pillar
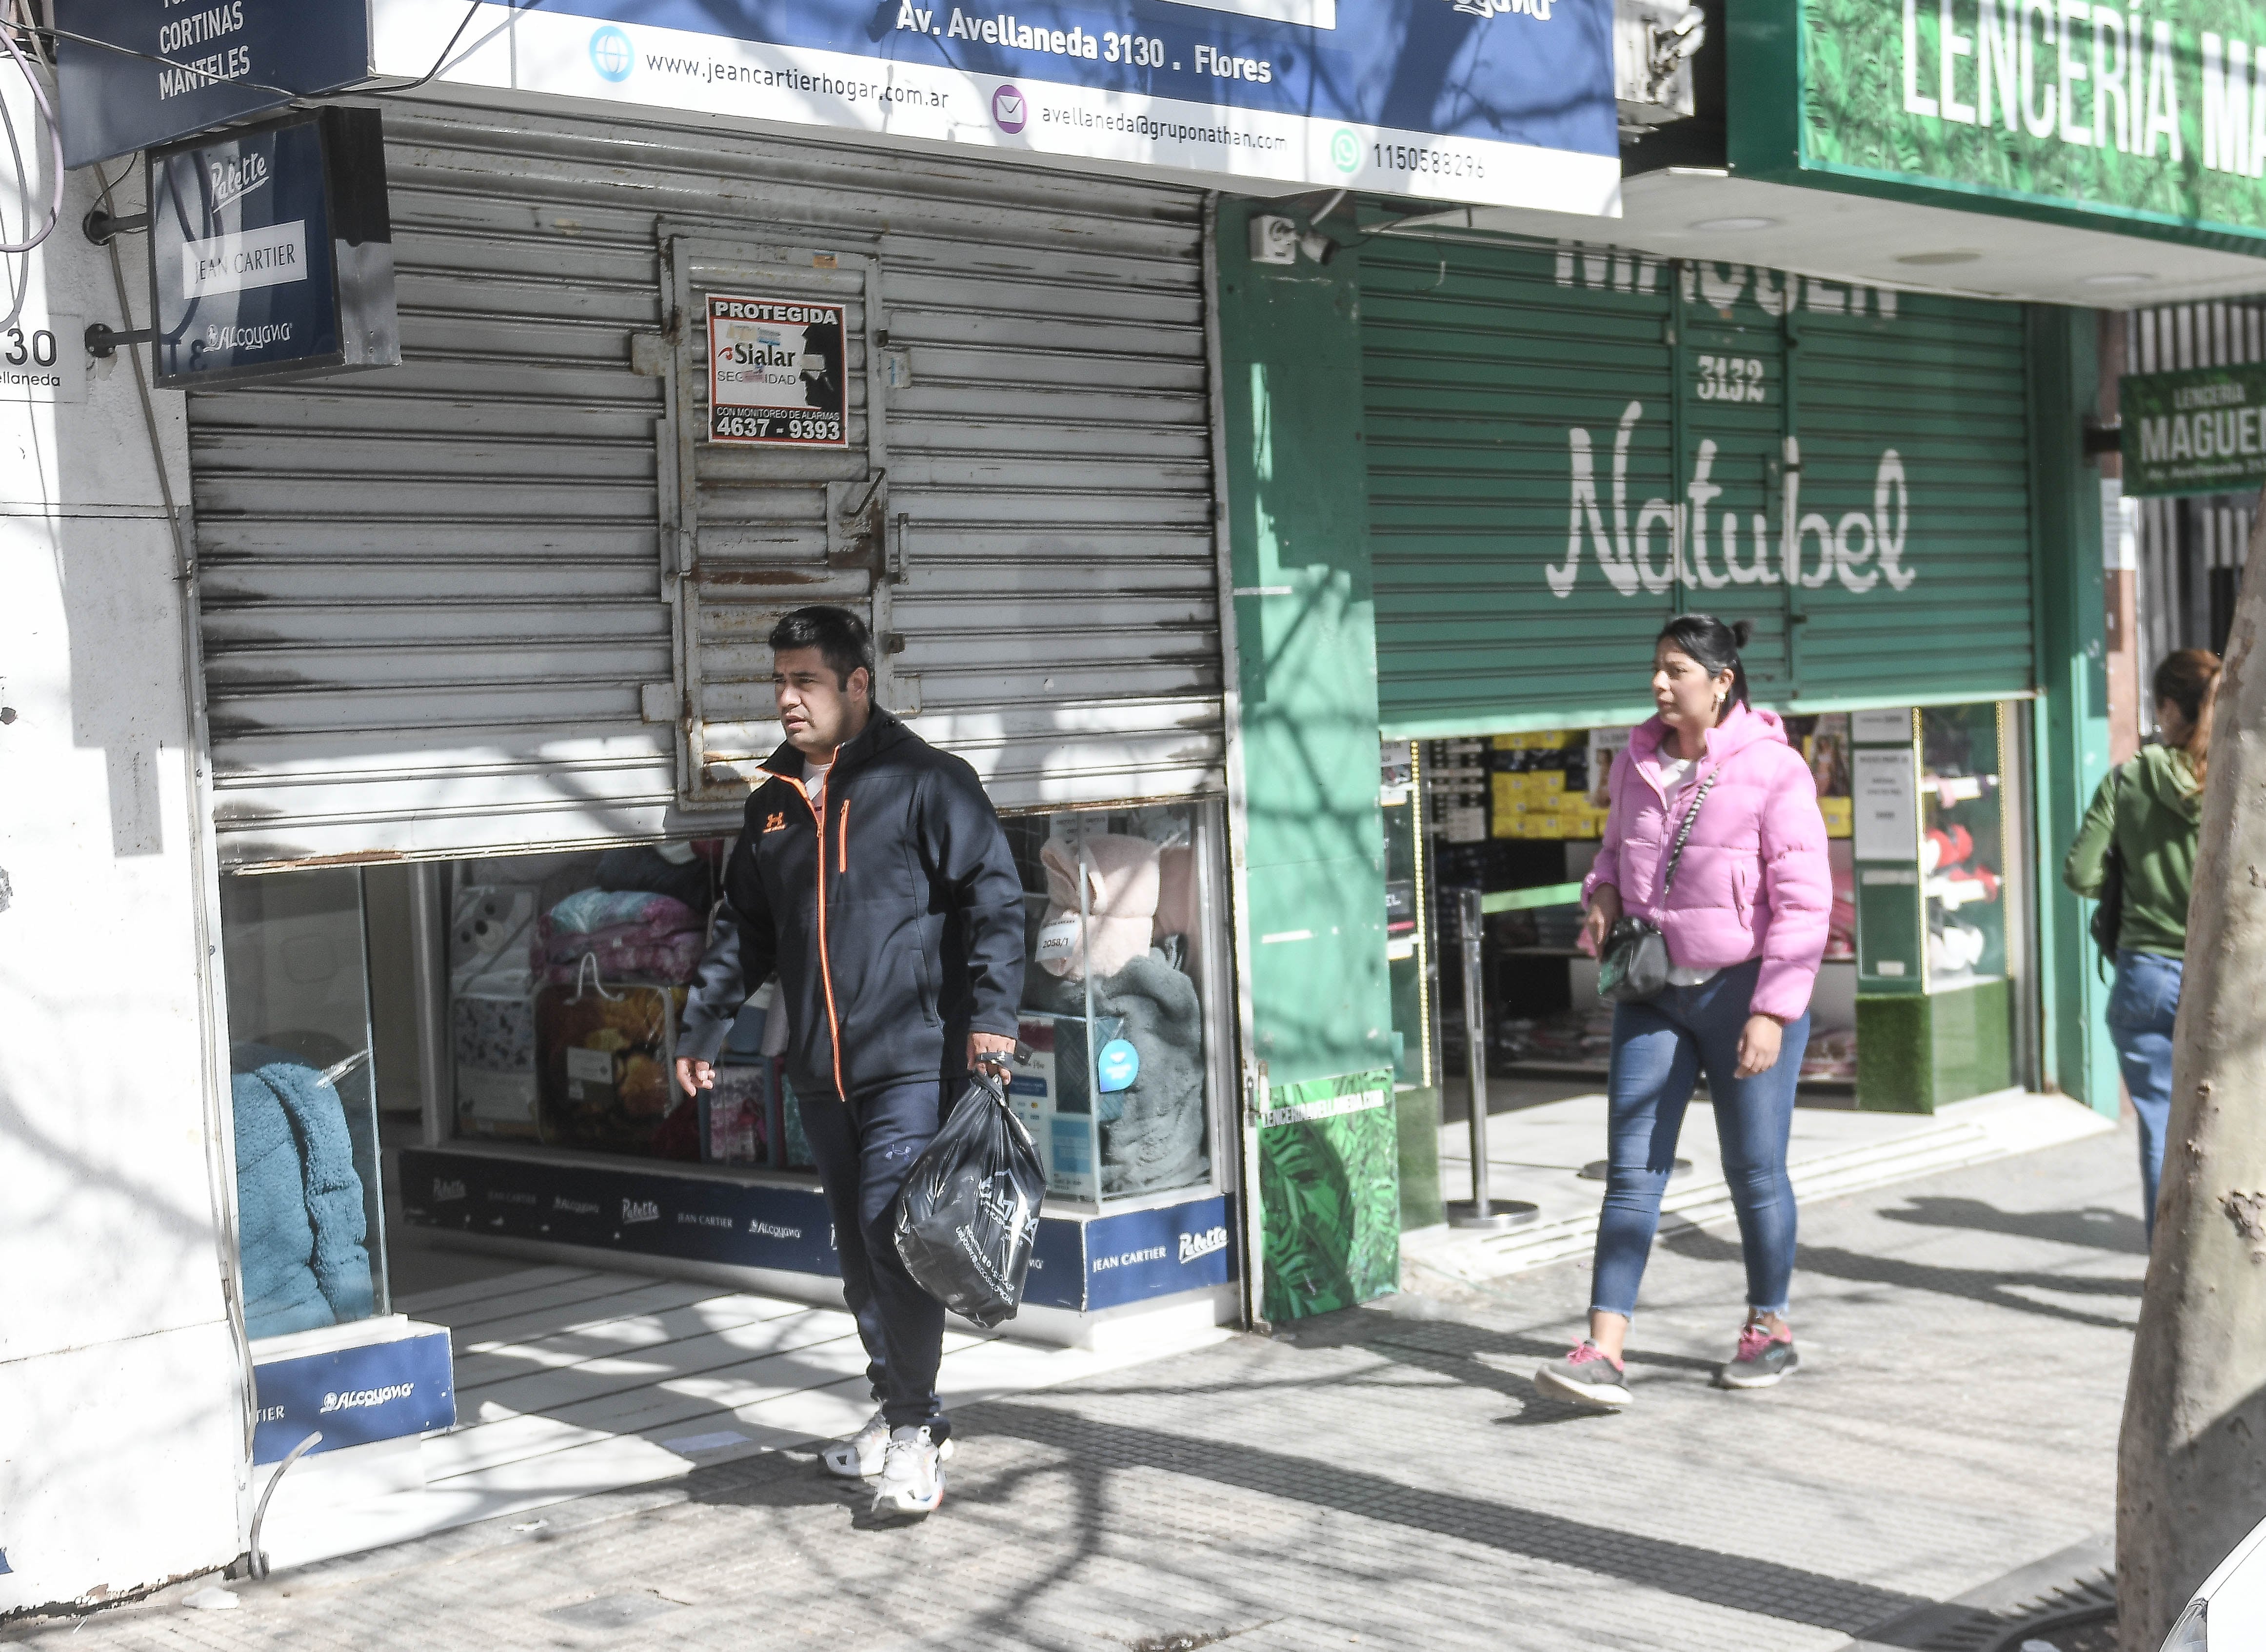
(1309, 850)
(2072, 720)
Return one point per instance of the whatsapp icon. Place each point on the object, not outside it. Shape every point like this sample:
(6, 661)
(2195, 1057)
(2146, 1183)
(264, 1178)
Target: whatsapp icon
(1345, 150)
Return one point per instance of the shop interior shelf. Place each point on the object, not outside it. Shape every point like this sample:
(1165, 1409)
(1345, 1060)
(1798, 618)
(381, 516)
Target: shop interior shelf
(1539, 952)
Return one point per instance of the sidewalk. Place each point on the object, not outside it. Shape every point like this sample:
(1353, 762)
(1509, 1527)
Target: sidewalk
(572, 1381)
(1388, 1477)
(1536, 1154)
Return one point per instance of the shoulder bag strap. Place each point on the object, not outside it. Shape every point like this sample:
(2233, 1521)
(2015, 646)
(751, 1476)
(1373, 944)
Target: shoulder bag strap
(1676, 855)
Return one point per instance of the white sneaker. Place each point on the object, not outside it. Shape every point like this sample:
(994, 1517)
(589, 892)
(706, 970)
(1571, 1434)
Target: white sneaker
(912, 1475)
(859, 1457)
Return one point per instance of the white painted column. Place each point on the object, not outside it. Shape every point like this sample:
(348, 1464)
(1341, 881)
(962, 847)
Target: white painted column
(125, 1458)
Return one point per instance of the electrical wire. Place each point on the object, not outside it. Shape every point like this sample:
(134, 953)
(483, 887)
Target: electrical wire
(442, 62)
(55, 139)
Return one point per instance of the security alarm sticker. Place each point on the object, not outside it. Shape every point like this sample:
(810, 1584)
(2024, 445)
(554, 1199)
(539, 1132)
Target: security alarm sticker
(777, 372)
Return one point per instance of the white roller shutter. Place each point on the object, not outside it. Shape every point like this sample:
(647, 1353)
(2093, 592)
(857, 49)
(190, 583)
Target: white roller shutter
(441, 603)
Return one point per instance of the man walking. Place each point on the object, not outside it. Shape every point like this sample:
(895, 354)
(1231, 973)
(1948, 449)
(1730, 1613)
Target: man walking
(872, 875)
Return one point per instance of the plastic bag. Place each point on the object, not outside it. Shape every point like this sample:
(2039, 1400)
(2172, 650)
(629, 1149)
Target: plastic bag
(970, 1210)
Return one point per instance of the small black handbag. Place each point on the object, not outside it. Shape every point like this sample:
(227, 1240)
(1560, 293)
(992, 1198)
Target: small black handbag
(1635, 965)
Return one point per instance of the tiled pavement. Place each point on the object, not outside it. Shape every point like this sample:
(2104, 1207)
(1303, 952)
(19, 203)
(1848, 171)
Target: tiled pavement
(1388, 1478)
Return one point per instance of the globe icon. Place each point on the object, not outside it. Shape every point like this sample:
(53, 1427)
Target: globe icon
(610, 55)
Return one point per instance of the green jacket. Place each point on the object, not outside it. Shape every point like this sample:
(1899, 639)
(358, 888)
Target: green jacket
(2155, 804)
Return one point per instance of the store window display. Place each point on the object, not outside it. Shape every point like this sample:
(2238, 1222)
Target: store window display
(567, 978)
(1519, 815)
(1112, 1074)
(310, 1214)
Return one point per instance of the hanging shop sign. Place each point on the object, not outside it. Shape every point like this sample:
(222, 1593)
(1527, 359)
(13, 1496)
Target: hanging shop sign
(2106, 117)
(777, 374)
(1502, 102)
(134, 73)
(271, 253)
(2198, 431)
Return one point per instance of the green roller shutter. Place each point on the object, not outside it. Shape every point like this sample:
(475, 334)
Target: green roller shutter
(1941, 387)
(1530, 535)
(1487, 385)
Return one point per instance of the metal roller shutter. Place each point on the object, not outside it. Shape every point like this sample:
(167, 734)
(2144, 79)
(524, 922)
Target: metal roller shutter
(1479, 368)
(436, 613)
(1940, 387)
(1531, 533)
(430, 595)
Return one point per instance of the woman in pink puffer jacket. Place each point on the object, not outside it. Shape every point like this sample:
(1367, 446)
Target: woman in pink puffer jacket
(1745, 924)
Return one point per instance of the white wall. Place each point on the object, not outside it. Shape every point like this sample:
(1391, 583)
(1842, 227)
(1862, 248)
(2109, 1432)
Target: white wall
(122, 1433)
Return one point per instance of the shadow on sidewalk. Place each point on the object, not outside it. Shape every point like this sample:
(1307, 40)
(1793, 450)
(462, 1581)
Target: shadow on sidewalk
(2093, 1228)
(1992, 1286)
(1093, 1450)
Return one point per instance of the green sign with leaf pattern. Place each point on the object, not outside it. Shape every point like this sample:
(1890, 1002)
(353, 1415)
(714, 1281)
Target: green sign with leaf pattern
(1329, 1194)
(2149, 117)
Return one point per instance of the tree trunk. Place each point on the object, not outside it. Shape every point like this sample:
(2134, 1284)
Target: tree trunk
(2191, 1461)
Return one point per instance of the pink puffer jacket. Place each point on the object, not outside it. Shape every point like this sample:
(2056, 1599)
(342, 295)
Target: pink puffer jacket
(1754, 881)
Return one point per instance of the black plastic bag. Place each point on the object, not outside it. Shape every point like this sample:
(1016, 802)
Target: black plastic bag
(969, 1209)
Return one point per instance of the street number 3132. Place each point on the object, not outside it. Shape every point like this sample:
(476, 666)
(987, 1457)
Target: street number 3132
(1731, 378)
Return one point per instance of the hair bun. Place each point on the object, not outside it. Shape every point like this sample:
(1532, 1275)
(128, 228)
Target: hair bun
(1740, 630)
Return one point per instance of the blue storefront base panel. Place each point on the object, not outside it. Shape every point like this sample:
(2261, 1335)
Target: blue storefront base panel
(390, 1390)
(1157, 1253)
(1078, 1264)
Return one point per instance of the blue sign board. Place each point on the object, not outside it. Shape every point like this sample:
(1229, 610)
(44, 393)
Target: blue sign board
(1502, 102)
(135, 73)
(271, 252)
(1158, 1253)
(354, 1396)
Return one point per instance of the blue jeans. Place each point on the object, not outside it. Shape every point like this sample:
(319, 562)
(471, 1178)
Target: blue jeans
(1660, 1048)
(2142, 1007)
(862, 1153)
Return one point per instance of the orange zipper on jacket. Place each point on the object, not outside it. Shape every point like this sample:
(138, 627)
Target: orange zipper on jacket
(825, 964)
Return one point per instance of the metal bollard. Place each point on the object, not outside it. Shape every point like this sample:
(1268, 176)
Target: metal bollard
(1479, 1211)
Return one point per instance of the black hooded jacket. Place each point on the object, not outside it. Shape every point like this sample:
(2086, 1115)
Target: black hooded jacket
(894, 921)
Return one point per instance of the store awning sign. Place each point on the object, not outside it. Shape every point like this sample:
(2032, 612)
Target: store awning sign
(1495, 102)
(271, 252)
(2198, 431)
(2100, 116)
(135, 73)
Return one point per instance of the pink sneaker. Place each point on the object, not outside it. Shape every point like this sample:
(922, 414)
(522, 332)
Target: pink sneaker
(1589, 1376)
(1761, 1360)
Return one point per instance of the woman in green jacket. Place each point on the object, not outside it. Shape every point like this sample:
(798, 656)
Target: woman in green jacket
(2147, 810)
